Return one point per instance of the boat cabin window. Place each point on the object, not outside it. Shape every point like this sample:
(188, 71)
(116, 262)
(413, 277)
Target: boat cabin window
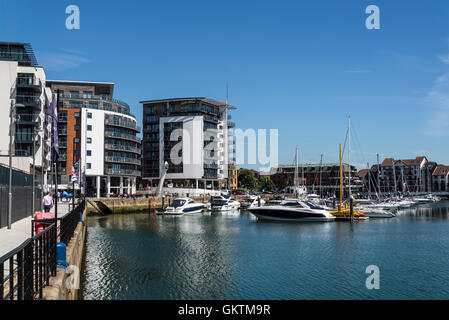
(312, 206)
(177, 203)
(191, 201)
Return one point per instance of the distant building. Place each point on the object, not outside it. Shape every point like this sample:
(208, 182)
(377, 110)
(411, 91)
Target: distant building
(100, 130)
(404, 175)
(23, 96)
(310, 175)
(192, 135)
(440, 179)
(232, 176)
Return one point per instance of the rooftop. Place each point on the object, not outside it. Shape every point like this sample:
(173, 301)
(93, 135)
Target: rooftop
(100, 87)
(18, 51)
(441, 170)
(218, 103)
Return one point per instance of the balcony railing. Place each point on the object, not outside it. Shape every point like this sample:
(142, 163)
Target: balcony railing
(121, 135)
(122, 160)
(28, 101)
(28, 82)
(99, 98)
(124, 124)
(127, 172)
(28, 118)
(121, 147)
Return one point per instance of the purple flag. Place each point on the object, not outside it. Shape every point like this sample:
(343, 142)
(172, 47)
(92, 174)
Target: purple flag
(52, 112)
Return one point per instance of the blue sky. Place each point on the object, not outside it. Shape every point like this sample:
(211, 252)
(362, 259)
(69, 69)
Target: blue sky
(299, 66)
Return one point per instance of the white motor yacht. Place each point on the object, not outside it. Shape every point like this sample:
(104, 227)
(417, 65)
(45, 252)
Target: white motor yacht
(252, 201)
(292, 211)
(223, 203)
(180, 206)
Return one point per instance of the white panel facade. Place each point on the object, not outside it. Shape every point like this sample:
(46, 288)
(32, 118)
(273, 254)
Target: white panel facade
(96, 138)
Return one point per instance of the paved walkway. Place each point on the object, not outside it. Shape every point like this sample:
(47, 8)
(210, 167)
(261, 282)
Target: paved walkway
(21, 230)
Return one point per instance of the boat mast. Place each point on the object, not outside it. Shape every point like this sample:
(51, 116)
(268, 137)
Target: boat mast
(394, 180)
(341, 184)
(349, 154)
(296, 173)
(321, 172)
(369, 181)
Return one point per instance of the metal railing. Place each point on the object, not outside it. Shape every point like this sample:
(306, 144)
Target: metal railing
(122, 160)
(26, 270)
(121, 147)
(128, 172)
(113, 134)
(28, 81)
(29, 100)
(122, 123)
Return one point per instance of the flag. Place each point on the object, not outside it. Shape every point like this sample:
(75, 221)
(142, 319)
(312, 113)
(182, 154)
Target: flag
(52, 112)
(76, 172)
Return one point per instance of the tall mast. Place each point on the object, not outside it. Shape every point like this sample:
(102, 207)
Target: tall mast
(369, 181)
(394, 179)
(349, 154)
(296, 169)
(378, 176)
(321, 171)
(341, 182)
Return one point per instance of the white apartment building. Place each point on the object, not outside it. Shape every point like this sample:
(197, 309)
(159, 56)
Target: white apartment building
(23, 101)
(192, 135)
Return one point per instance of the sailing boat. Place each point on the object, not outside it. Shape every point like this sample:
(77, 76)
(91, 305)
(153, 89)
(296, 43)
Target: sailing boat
(298, 191)
(346, 213)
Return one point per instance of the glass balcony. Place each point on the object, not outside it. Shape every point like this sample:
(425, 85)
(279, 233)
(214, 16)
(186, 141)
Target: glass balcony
(126, 172)
(122, 148)
(122, 160)
(123, 124)
(112, 134)
(29, 82)
(28, 101)
(33, 119)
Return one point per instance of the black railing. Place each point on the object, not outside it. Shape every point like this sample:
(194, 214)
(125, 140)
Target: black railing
(26, 270)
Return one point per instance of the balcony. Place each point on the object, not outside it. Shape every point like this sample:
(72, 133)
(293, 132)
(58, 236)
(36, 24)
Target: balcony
(231, 124)
(30, 119)
(121, 148)
(125, 172)
(122, 160)
(62, 132)
(28, 101)
(122, 124)
(30, 83)
(98, 98)
(125, 136)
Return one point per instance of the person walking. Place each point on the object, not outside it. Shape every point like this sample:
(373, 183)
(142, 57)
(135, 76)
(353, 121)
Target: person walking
(47, 202)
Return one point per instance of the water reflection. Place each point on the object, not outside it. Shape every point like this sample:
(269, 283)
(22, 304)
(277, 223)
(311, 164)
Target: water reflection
(233, 256)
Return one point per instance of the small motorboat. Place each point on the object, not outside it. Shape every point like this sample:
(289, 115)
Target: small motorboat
(252, 201)
(223, 203)
(181, 206)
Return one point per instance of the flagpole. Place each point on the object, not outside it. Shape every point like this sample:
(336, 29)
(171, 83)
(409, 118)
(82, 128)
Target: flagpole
(55, 159)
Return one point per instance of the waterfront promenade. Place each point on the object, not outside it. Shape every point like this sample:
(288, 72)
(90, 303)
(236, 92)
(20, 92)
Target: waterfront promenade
(21, 230)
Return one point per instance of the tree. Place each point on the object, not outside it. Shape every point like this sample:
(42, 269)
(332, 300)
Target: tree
(246, 179)
(266, 183)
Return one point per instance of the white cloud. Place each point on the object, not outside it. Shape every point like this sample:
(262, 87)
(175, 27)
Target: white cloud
(444, 59)
(60, 61)
(438, 99)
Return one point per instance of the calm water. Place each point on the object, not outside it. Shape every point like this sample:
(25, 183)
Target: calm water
(231, 256)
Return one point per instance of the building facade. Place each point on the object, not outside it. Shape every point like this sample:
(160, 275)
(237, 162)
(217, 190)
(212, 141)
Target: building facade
(316, 176)
(192, 135)
(440, 179)
(24, 99)
(100, 131)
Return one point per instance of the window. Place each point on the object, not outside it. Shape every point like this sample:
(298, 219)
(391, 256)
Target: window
(87, 94)
(77, 140)
(89, 140)
(89, 127)
(89, 153)
(74, 94)
(76, 152)
(77, 128)
(88, 165)
(77, 114)
(89, 115)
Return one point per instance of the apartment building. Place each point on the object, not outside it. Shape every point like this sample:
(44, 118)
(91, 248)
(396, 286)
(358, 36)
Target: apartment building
(315, 175)
(193, 136)
(23, 101)
(440, 179)
(100, 130)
